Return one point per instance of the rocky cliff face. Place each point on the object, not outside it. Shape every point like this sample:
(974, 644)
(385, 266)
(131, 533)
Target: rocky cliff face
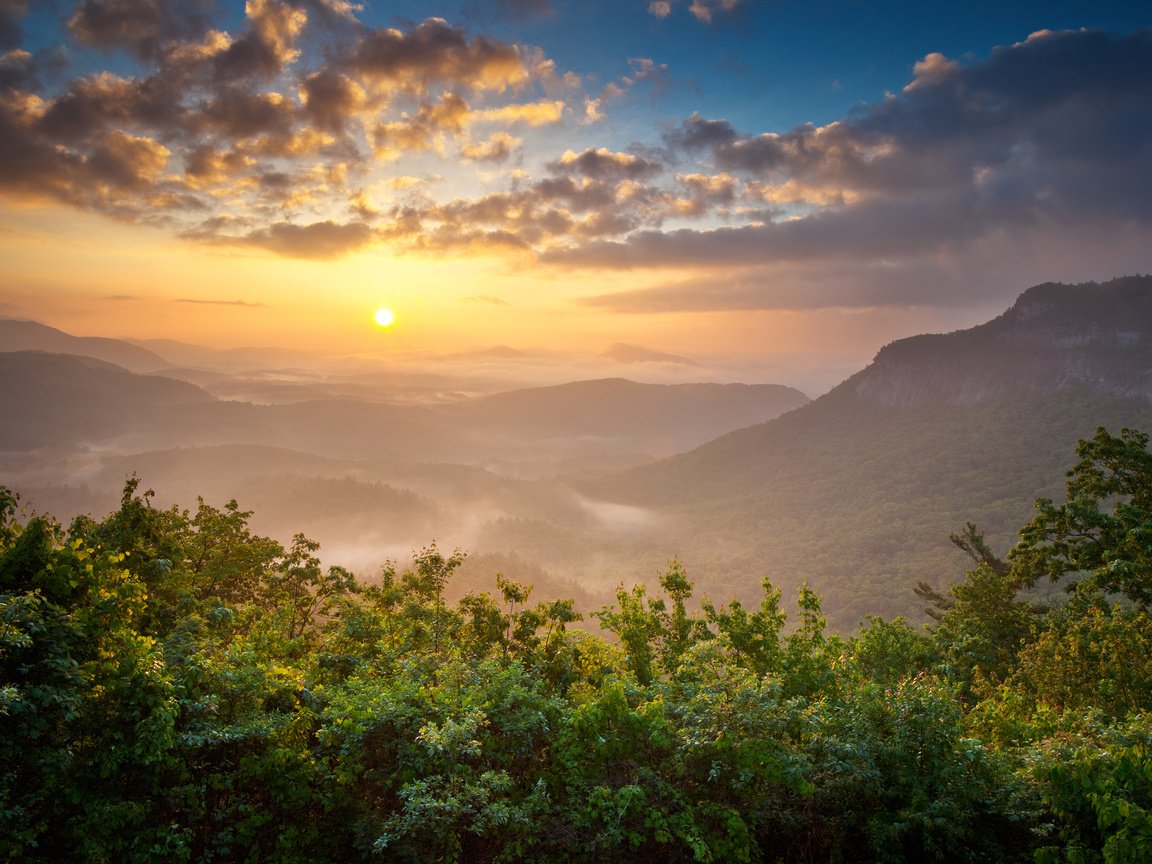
(1092, 336)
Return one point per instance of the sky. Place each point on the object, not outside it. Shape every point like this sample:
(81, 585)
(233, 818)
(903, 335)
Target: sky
(759, 190)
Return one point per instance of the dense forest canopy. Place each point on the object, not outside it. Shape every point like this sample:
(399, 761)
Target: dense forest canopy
(174, 687)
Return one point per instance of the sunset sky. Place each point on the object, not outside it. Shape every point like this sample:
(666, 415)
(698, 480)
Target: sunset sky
(755, 189)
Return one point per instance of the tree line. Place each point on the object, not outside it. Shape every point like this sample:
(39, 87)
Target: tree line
(175, 688)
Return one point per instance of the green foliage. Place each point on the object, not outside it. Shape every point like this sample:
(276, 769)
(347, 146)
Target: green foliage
(1099, 787)
(176, 688)
(1080, 542)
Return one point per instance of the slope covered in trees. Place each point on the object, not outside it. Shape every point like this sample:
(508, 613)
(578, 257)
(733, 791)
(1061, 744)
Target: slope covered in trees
(858, 490)
(174, 687)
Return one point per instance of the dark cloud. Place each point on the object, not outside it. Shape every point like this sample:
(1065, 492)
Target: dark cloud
(127, 162)
(878, 229)
(27, 167)
(237, 114)
(697, 133)
(331, 99)
(749, 289)
(318, 241)
(1042, 138)
(601, 164)
(138, 26)
(267, 47)
(435, 52)
(1058, 123)
(296, 113)
(706, 193)
(16, 69)
(11, 13)
(548, 215)
(104, 100)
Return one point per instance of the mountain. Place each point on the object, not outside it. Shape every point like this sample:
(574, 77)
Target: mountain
(858, 490)
(188, 354)
(655, 418)
(32, 336)
(1053, 338)
(65, 400)
(369, 479)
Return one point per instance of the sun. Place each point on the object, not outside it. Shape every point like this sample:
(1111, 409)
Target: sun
(384, 317)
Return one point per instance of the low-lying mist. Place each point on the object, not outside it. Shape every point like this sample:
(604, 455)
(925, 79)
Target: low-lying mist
(375, 463)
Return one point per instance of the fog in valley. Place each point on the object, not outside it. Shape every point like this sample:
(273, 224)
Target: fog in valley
(374, 459)
(583, 486)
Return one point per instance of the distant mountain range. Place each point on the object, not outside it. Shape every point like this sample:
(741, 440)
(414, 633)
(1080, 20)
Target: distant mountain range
(65, 399)
(369, 479)
(31, 336)
(855, 492)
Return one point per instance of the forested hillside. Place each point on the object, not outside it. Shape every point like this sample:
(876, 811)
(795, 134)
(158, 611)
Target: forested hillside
(175, 687)
(858, 490)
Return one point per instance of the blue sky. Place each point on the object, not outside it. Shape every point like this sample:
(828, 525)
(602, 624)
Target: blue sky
(663, 170)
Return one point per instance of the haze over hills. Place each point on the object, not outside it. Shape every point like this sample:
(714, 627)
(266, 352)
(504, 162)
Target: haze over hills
(369, 478)
(856, 491)
(668, 417)
(18, 335)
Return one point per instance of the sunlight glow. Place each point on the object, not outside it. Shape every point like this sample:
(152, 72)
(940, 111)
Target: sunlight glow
(384, 317)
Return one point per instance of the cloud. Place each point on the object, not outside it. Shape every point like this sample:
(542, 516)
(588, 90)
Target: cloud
(601, 163)
(201, 302)
(753, 288)
(497, 148)
(540, 113)
(16, 68)
(933, 69)
(702, 10)
(696, 133)
(434, 52)
(1036, 143)
(268, 46)
(11, 13)
(424, 131)
(282, 136)
(706, 193)
(487, 299)
(593, 111)
(317, 241)
(127, 161)
(139, 26)
(331, 99)
(287, 115)
(236, 115)
(548, 214)
(622, 352)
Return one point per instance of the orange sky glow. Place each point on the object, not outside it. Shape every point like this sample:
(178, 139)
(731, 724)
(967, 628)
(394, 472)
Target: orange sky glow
(274, 177)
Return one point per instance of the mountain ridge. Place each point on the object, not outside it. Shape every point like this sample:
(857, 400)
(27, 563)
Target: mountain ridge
(858, 490)
(22, 335)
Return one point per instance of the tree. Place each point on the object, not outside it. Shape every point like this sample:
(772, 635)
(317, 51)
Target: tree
(1083, 542)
